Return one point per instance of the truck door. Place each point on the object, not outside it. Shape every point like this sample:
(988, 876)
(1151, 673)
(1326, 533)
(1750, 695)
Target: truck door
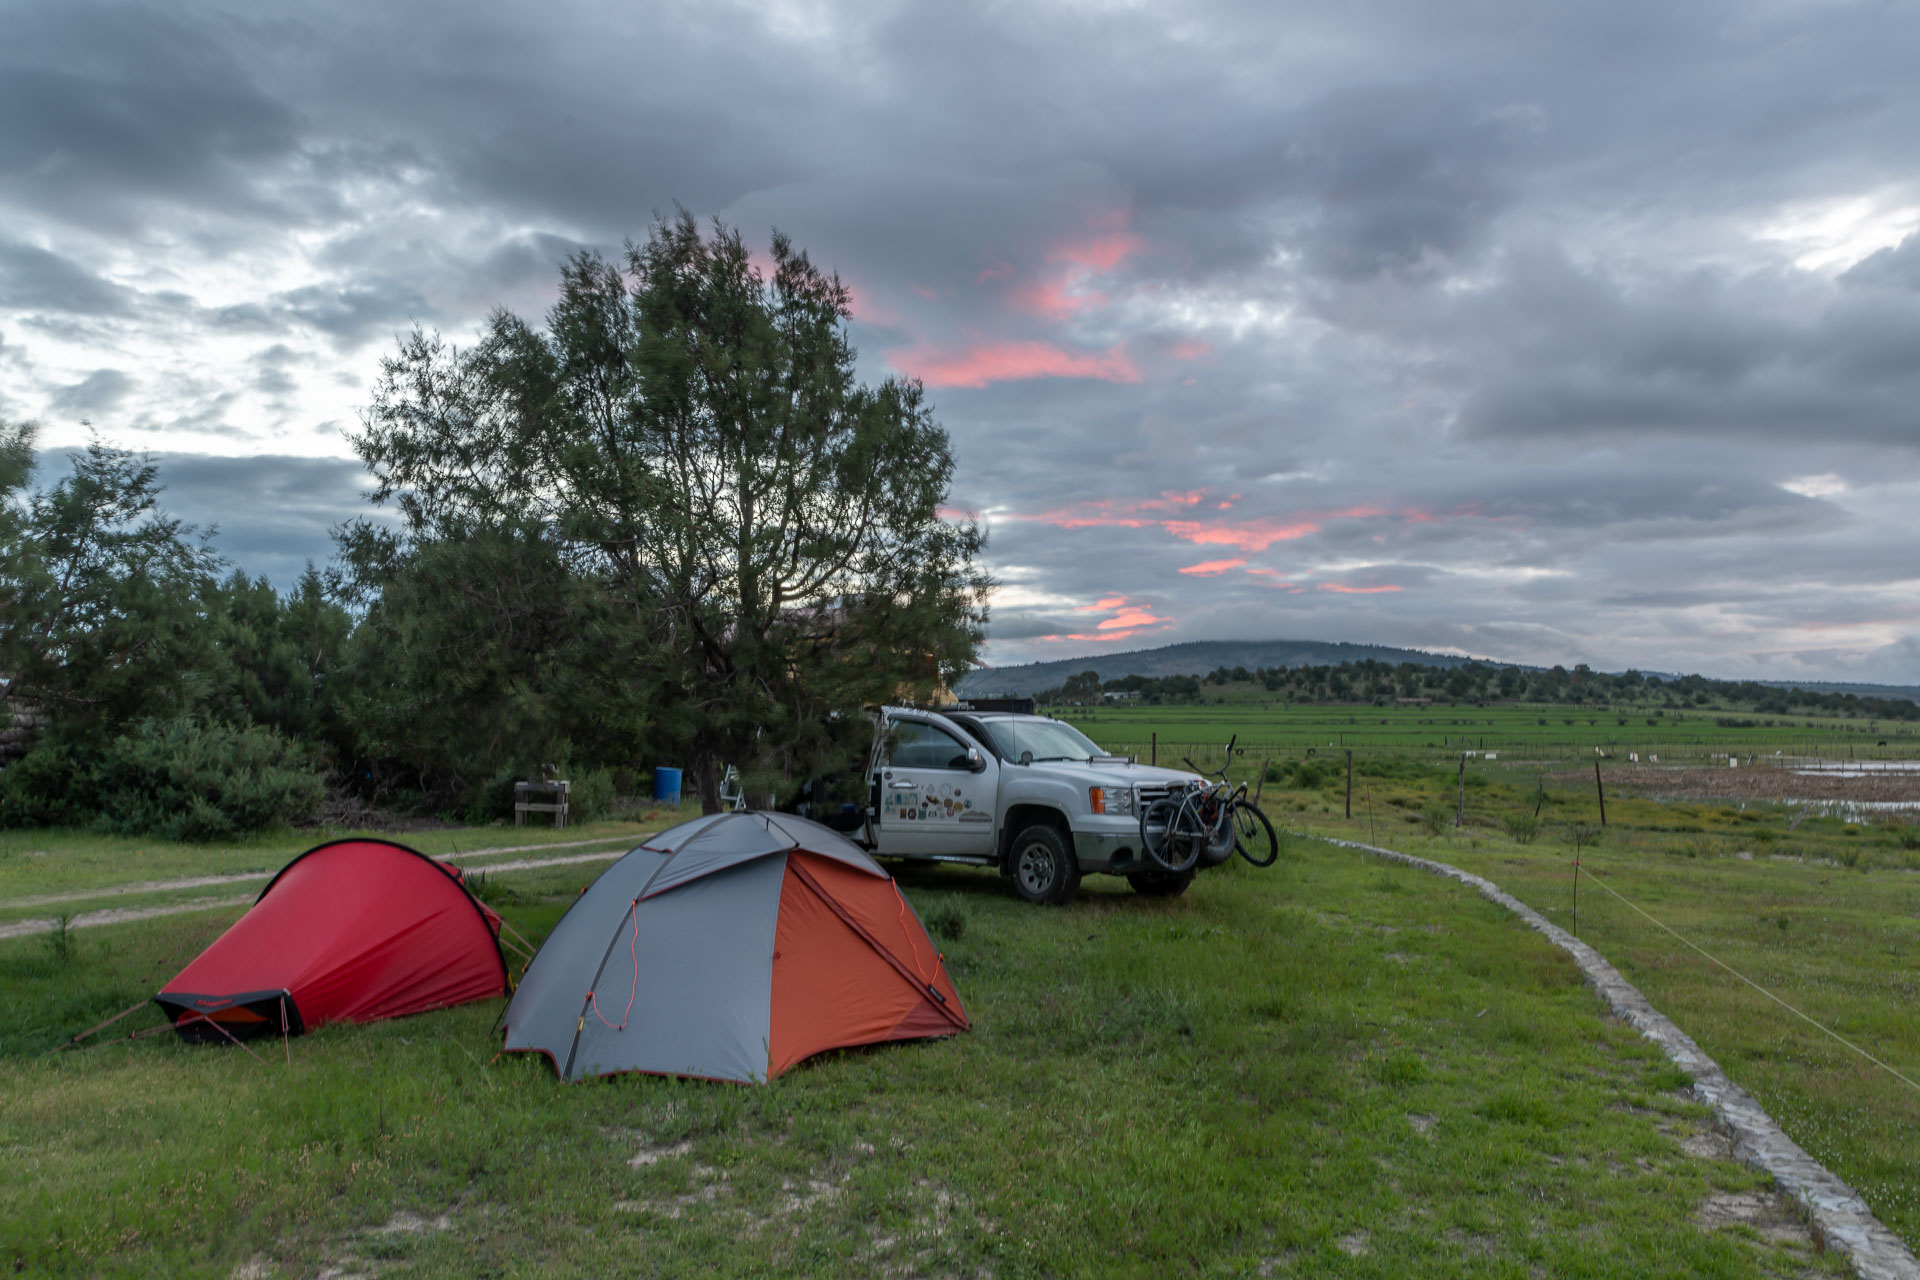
(936, 793)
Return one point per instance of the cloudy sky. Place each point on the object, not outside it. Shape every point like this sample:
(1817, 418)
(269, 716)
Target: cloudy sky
(1551, 333)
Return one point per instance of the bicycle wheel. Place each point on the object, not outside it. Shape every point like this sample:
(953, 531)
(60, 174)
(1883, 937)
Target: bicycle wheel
(1170, 834)
(1253, 835)
(1218, 838)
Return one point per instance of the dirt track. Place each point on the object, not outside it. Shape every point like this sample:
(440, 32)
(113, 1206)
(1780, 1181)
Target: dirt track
(92, 919)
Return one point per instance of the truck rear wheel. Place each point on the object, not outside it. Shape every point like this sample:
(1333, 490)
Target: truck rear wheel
(1043, 867)
(1160, 884)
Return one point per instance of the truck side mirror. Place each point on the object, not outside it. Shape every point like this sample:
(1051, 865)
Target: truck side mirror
(974, 763)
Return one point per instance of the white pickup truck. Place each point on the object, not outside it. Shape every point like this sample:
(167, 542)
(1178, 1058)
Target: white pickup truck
(1030, 795)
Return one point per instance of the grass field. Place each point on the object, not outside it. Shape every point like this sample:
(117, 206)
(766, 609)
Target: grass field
(1823, 911)
(1547, 732)
(1334, 1067)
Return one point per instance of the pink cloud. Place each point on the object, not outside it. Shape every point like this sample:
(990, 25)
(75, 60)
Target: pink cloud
(1209, 568)
(1127, 618)
(1188, 349)
(1245, 535)
(989, 362)
(1056, 300)
(1099, 253)
(996, 271)
(928, 292)
(1345, 590)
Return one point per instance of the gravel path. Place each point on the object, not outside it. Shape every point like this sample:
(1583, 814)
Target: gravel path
(122, 915)
(243, 877)
(1841, 1219)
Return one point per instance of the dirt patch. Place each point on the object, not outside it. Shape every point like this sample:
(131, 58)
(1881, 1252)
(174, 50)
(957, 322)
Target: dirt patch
(1766, 1212)
(1763, 782)
(654, 1155)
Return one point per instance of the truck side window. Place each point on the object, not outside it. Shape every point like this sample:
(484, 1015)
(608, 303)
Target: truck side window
(921, 746)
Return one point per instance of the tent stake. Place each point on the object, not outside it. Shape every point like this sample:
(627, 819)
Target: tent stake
(103, 1026)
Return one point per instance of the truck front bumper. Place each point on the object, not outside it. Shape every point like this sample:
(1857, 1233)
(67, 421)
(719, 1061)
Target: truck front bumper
(1107, 844)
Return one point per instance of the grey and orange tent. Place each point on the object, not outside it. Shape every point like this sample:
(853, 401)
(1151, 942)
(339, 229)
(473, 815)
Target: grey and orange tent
(731, 948)
(349, 931)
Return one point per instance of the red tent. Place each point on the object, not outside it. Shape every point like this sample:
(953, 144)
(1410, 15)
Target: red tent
(350, 931)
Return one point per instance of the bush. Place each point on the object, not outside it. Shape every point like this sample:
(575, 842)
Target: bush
(591, 795)
(1522, 828)
(195, 780)
(1437, 817)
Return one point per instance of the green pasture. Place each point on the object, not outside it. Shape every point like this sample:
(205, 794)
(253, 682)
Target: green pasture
(1821, 911)
(1543, 732)
(1334, 1067)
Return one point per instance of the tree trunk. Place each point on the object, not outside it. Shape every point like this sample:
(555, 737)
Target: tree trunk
(706, 781)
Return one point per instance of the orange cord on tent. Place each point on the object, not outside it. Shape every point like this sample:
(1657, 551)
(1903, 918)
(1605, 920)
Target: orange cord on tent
(908, 929)
(633, 913)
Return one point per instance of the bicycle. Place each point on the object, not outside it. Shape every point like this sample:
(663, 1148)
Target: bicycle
(1211, 820)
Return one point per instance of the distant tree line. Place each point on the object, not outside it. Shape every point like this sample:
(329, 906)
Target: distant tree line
(1383, 684)
(667, 527)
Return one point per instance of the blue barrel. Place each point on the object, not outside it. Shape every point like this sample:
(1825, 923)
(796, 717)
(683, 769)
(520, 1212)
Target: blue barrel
(666, 785)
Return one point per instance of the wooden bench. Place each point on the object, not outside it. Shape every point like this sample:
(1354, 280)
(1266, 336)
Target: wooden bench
(523, 804)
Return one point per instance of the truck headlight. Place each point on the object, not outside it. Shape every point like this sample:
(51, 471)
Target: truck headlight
(1112, 800)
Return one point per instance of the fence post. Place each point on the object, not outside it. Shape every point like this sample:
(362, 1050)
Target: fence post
(1349, 783)
(1460, 816)
(1601, 792)
(1153, 750)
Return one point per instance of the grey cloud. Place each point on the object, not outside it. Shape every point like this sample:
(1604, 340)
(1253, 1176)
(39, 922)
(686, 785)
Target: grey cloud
(98, 392)
(106, 104)
(274, 514)
(1897, 267)
(34, 279)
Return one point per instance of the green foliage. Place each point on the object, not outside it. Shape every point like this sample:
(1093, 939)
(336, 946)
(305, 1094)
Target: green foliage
(948, 923)
(61, 944)
(182, 779)
(1582, 834)
(1521, 828)
(102, 598)
(192, 780)
(720, 536)
(1438, 817)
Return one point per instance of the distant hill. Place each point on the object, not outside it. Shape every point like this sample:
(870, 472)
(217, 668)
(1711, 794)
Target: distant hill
(1198, 657)
(1194, 658)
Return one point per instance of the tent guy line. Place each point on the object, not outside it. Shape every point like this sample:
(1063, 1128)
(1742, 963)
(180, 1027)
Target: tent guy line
(243, 877)
(94, 919)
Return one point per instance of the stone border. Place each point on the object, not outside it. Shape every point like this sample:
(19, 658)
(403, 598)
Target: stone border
(1840, 1218)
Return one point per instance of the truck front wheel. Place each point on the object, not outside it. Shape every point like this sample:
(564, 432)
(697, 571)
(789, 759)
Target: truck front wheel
(1043, 867)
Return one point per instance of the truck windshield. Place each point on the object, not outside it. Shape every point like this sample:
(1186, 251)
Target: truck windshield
(1047, 739)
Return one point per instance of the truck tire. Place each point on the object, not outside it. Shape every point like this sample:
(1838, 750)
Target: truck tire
(1042, 866)
(1160, 884)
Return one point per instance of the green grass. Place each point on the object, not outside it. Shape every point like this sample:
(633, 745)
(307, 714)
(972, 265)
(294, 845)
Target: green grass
(1825, 913)
(1545, 731)
(1334, 1067)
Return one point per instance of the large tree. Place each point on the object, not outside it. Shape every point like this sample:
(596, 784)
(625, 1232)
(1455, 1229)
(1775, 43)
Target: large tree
(689, 436)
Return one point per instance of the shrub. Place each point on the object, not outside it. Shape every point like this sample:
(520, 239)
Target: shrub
(949, 923)
(591, 795)
(1437, 817)
(1522, 828)
(197, 780)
